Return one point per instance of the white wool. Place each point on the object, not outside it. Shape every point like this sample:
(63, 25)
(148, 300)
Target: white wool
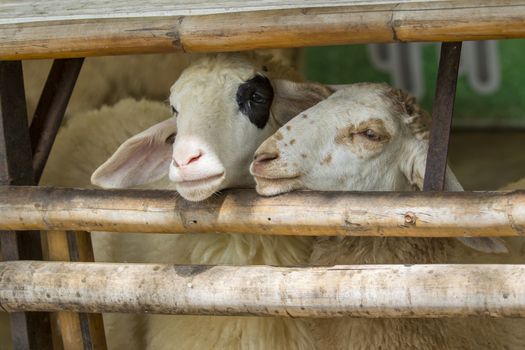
(106, 80)
(82, 145)
(86, 142)
(331, 152)
(455, 333)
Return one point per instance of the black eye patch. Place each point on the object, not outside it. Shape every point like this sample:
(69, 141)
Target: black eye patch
(254, 98)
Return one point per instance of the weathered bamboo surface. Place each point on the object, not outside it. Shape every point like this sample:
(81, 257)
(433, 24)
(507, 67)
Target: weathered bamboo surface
(358, 290)
(62, 28)
(243, 211)
(76, 329)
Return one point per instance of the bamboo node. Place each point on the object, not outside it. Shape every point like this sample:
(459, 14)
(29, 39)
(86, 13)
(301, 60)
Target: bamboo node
(410, 218)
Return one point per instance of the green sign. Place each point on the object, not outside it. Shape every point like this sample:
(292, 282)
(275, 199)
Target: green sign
(491, 86)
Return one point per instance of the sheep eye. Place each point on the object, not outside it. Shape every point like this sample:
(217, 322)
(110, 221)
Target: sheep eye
(174, 111)
(254, 98)
(371, 135)
(170, 139)
(258, 98)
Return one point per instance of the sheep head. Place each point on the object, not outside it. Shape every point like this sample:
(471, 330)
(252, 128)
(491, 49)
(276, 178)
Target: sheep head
(224, 107)
(367, 137)
(355, 139)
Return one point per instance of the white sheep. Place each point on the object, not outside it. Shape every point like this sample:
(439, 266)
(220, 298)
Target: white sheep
(372, 137)
(86, 149)
(224, 107)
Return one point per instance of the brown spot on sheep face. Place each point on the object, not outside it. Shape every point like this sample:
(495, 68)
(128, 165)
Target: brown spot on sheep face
(288, 127)
(292, 141)
(278, 136)
(303, 155)
(369, 135)
(305, 116)
(327, 160)
(343, 135)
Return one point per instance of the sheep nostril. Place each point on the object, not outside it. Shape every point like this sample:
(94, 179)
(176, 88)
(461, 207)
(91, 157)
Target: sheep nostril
(265, 157)
(187, 161)
(194, 159)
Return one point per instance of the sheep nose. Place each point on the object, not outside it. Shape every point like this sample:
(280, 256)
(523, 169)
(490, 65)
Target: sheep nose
(187, 160)
(265, 157)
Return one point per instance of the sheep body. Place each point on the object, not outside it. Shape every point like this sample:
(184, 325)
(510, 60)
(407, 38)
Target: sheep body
(86, 142)
(106, 80)
(372, 137)
(81, 155)
(455, 333)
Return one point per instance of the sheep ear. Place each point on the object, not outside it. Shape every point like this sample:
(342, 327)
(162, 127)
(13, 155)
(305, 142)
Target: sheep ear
(415, 173)
(143, 158)
(291, 98)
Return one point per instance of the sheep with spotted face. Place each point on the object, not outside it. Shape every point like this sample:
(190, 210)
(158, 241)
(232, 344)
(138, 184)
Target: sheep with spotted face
(366, 139)
(372, 137)
(223, 107)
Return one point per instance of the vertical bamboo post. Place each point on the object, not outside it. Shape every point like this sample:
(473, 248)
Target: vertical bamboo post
(29, 330)
(77, 331)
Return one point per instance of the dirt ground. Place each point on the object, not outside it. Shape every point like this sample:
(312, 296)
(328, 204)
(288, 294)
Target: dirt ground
(487, 160)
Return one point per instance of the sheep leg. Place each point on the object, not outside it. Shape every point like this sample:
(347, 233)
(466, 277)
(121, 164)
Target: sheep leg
(28, 330)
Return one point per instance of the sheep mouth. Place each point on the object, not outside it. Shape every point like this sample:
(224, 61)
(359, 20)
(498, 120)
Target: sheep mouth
(275, 177)
(206, 181)
(275, 186)
(270, 173)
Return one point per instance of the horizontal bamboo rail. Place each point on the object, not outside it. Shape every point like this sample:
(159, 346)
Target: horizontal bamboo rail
(62, 28)
(359, 290)
(243, 211)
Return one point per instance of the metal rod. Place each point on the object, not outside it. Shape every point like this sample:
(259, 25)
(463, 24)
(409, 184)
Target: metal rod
(442, 116)
(51, 108)
(29, 330)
